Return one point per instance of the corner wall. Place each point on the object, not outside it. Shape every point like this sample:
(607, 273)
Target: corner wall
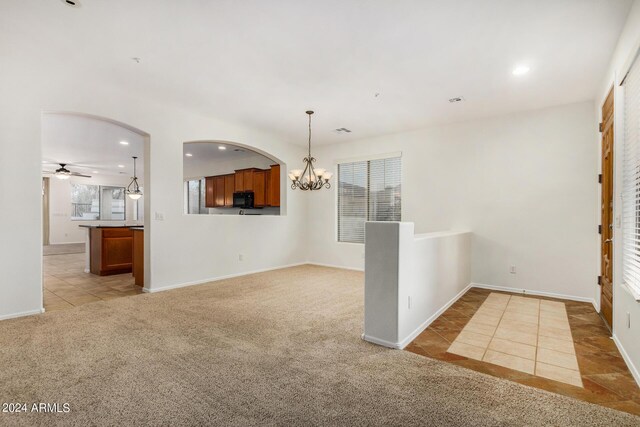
(523, 184)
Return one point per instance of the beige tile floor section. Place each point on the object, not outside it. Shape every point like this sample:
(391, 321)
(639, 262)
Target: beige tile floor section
(525, 334)
(66, 285)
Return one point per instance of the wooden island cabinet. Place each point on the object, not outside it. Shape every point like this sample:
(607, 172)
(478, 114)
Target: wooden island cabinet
(264, 183)
(115, 249)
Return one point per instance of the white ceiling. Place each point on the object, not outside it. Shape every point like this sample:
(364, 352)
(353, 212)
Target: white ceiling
(207, 159)
(263, 63)
(90, 146)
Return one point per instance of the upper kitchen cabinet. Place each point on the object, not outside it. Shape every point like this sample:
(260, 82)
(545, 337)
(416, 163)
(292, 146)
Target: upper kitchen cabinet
(224, 179)
(273, 186)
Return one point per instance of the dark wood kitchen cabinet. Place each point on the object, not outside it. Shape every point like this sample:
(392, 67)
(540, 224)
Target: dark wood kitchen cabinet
(273, 186)
(138, 256)
(111, 250)
(259, 188)
(229, 188)
(209, 192)
(214, 192)
(264, 183)
(239, 181)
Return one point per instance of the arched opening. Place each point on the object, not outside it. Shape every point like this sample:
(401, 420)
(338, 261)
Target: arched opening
(229, 178)
(95, 226)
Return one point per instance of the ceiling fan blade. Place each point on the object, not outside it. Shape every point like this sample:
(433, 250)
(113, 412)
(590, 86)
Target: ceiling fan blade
(81, 175)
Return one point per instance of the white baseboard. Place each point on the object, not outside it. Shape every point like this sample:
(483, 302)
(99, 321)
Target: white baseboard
(627, 359)
(21, 314)
(536, 293)
(378, 341)
(424, 325)
(319, 264)
(405, 342)
(66, 243)
(218, 278)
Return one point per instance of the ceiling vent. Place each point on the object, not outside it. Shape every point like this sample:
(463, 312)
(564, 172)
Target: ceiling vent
(456, 99)
(72, 3)
(342, 130)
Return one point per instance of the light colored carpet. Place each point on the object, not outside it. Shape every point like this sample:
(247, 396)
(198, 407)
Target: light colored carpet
(276, 348)
(63, 249)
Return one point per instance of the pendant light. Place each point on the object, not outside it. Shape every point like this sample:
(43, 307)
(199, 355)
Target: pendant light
(310, 178)
(134, 193)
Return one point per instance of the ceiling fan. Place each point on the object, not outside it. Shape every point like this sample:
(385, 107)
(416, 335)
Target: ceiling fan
(63, 173)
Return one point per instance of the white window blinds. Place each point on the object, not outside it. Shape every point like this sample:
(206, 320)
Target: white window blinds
(367, 191)
(631, 180)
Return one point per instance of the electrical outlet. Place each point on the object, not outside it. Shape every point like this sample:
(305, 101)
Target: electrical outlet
(240, 257)
(409, 302)
(159, 216)
(512, 269)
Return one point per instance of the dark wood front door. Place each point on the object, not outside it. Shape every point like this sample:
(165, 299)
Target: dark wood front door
(606, 281)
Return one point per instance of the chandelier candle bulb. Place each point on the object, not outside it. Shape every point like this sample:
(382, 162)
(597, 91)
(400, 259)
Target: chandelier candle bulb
(312, 179)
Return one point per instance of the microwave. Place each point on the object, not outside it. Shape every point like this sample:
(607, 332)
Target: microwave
(243, 200)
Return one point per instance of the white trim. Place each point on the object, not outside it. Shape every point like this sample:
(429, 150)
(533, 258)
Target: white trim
(22, 314)
(378, 341)
(402, 344)
(624, 71)
(367, 158)
(537, 293)
(632, 292)
(320, 264)
(66, 243)
(218, 278)
(627, 359)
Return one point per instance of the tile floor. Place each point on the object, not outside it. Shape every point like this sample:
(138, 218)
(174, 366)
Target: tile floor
(67, 285)
(605, 378)
(525, 334)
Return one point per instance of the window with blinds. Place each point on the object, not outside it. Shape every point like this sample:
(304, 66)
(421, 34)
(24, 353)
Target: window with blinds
(368, 190)
(631, 181)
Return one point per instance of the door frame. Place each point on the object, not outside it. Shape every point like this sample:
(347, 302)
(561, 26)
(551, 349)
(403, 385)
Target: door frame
(607, 230)
(147, 192)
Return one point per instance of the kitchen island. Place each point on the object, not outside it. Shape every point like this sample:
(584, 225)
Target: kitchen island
(110, 249)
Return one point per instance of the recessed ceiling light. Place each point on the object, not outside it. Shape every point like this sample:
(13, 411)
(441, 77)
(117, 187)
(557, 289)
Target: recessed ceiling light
(189, 155)
(124, 143)
(94, 172)
(520, 70)
(120, 166)
(221, 147)
(44, 161)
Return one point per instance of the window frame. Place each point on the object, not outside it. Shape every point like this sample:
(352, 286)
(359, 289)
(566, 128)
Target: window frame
(337, 164)
(100, 188)
(202, 194)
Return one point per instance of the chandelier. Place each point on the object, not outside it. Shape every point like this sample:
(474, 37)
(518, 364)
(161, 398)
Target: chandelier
(310, 178)
(134, 193)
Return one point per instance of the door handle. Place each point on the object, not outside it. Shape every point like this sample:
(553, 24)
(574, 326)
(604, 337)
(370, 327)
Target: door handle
(608, 241)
